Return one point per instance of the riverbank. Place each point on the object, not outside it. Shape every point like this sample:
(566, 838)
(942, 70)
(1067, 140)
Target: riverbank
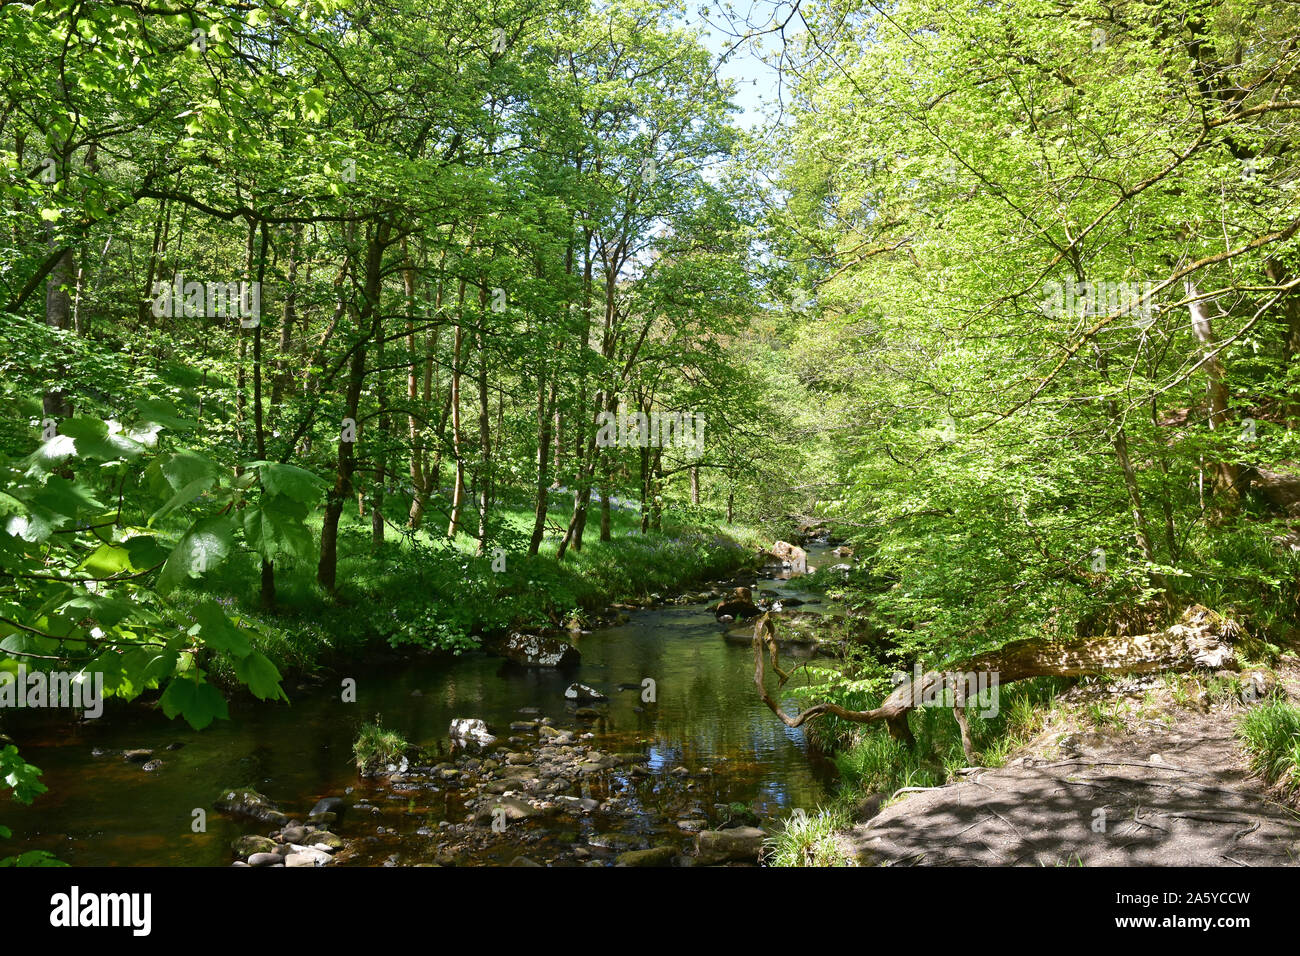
(1160, 770)
(421, 592)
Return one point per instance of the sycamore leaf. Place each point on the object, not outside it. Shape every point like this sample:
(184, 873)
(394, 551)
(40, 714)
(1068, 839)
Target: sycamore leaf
(217, 631)
(201, 548)
(261, 676)
(199, 704)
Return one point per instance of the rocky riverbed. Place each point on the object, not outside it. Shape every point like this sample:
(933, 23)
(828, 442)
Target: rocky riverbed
(509, 797)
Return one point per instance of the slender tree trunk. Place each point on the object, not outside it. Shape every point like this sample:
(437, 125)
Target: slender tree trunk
(282, 377)
(259, 430)
(58, 314)
(484, 425)
(1226, 475)
(327, 570)
(458, 492)
(656, 505)
(1291, 335)
(545, 403)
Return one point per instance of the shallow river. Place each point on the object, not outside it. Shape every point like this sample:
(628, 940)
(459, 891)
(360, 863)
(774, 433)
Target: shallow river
(103, 810)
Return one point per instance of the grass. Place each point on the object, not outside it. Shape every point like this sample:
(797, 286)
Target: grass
(1270, 734)
(805, 840)
(876, 763)
(376, 748)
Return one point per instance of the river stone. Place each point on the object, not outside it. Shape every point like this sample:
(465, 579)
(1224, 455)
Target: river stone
(741, 844)
(136, 756)
(656, 856)
(265, 859)
(247, 802)
(307, 856)
(251, 843)
(524, 861)
(515, 809)
(322, 817)
(519, 758)
(470, 730)
(537, 650)
(520, 772)
(738, 605)
(327, 805)
(577, 691)
(323, 839)
(293, 834)
(151, 766)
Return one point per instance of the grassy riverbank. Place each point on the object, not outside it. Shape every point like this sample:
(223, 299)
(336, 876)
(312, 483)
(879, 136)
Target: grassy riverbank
(423, 591)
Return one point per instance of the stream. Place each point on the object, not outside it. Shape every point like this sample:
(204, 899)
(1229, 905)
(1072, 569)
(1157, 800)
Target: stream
(706, 742)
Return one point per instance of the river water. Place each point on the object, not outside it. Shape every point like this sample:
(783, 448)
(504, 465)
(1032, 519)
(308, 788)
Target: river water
(104, 810)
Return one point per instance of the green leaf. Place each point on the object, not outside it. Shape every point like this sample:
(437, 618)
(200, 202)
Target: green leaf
(145, 551)
(277, 526)
(186, 467)
(201, 549)
(261, 676)
(217, 631)
(199, 704)
(96, 440)
(60, 496)
(162, 412)
(183, 496)
(292, 482)
(106, 561)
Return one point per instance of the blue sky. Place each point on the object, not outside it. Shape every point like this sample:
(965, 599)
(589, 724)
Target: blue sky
(756, 81)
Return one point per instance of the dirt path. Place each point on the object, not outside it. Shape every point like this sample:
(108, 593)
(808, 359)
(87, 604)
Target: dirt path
(1151, 795)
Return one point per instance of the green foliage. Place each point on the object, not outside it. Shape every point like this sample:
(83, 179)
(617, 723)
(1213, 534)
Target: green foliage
(87, 571)
(376, 748)
(1270, 733)
(809, 840)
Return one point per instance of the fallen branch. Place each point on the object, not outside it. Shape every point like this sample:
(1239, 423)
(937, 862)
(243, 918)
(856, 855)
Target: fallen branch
(1200, 639)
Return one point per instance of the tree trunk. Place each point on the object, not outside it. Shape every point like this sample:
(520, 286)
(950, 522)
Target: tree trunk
(484, 426)
(282, 362)
(1225, 474)
(327, 570)
(458, 492)
(545, 402)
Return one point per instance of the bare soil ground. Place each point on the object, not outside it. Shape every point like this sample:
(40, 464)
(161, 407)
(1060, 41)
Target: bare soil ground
(1162, 782)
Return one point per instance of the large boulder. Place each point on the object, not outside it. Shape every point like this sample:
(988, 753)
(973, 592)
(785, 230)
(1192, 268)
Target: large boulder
(512, 809)
(306, 856)
(738, 605)
(791, 556)
(470, 730)
(335, 805)
(737, 845)
(1281, 488)
(537, 650)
